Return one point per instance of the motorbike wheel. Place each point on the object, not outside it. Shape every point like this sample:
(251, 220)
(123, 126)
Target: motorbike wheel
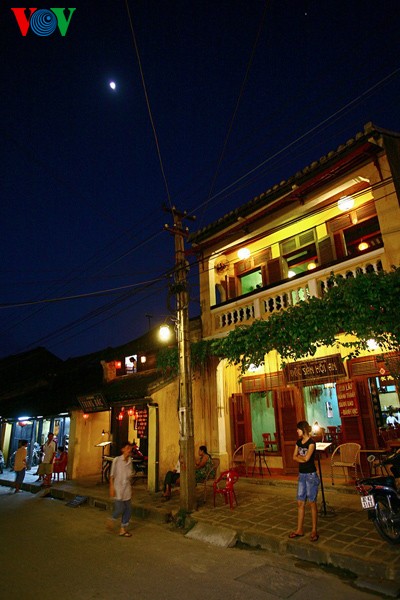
(384, 522)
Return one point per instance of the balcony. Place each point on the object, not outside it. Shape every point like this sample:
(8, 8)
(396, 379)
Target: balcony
(262, 304)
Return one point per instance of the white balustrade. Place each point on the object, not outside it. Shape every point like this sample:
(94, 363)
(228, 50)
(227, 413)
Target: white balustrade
(267, 302)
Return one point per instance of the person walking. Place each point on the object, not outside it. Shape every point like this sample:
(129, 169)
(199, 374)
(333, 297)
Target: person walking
(20, 465)
(121, 490)
(46, 466)
(308, 482)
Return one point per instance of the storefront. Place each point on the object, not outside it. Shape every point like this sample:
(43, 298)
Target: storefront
(339, 407)
(35, 430)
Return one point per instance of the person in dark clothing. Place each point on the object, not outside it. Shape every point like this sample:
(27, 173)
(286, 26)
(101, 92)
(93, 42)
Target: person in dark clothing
(304, 454)
(171, 478)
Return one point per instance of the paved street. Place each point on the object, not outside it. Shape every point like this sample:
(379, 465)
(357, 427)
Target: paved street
(53, 551)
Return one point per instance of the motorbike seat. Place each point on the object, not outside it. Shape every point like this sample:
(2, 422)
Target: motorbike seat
(387, 481)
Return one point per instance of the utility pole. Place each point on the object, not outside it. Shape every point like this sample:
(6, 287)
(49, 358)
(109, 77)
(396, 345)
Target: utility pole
(186, 432)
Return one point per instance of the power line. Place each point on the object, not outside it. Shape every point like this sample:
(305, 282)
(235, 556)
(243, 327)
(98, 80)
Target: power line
(148, 103)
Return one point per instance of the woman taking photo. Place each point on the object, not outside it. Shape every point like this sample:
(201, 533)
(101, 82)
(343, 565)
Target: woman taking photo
(304, 454)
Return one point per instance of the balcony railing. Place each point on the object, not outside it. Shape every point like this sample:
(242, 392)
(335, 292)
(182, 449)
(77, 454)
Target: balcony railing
(267, 302)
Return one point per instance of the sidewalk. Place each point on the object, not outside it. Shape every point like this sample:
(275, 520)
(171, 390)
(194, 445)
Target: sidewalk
(266, 514)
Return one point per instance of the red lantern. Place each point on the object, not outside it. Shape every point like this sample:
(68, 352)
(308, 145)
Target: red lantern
(85, 416)
(131, 412)
(118, 364)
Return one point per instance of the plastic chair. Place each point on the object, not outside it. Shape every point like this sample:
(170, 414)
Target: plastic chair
(244, 456)
(225, 485)
(346, 456)
(60, 466)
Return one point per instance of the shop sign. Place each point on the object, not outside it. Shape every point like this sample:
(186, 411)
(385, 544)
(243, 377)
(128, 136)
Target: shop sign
(328, 368)
(347, 399)
(141, 423)
(93, 403)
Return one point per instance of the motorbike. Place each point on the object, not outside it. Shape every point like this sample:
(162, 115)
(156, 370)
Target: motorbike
(139, 464)
(381, 498)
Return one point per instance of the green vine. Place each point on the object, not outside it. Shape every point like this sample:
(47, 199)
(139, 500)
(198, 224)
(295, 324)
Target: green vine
(366, 306)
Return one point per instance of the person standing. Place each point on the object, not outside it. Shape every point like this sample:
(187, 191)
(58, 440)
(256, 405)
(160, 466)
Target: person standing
(20, 465)
(46, 466)
(307, 489)
(121, 489)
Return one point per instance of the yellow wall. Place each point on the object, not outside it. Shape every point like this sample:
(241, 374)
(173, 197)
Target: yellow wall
(84, 459)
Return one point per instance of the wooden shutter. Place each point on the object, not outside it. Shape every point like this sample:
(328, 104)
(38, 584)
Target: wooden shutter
(367, 414)
(325, 251)
(290, 407)
(240, 420)
(276, 270)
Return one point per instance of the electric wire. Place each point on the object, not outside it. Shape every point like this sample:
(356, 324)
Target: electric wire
(235, 111)
(148, 104)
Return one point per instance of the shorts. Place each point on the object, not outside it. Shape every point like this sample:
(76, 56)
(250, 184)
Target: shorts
(307, 488)
(45, 469)
(19, 476)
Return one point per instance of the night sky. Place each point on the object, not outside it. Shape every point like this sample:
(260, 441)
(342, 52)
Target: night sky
(243, 93)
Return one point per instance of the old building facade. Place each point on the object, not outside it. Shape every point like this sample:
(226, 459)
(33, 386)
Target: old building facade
(341, 214)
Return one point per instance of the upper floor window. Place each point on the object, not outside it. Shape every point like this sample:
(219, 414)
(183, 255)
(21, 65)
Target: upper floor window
(300, 252)
(356, 232)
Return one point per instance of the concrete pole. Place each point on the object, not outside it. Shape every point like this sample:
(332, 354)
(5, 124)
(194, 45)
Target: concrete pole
(186, 434)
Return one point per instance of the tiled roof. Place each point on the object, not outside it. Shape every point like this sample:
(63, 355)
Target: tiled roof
(285, 186)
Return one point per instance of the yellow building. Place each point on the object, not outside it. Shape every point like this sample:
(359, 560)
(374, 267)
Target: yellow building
(340, 214)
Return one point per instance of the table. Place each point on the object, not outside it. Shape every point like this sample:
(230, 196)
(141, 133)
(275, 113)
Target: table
(103, 446)
(260, 453)
(322, 447)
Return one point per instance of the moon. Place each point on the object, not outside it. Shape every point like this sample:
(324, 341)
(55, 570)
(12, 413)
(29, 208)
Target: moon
(113, 85)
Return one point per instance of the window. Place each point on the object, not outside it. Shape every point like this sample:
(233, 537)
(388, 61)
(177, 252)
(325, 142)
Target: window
(300, 252)
(356, 232)
(251, 281)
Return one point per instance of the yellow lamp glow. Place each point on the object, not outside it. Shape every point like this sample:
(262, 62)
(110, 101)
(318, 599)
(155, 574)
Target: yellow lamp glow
(165, 333)
(363, 246)
(311, 266)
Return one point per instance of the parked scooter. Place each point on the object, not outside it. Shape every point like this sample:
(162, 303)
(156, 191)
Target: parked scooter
(380, 496)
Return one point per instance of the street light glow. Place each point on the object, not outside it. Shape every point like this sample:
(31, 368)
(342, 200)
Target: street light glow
(165, 333)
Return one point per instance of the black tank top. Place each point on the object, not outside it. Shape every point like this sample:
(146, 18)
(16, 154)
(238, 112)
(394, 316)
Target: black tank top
(309, 466)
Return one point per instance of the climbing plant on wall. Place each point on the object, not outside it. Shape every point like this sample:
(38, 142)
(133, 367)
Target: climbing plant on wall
(361, 308)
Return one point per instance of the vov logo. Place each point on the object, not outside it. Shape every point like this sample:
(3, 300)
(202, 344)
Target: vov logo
(43, 21)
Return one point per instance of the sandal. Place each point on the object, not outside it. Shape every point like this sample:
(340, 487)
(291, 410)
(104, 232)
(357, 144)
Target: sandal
(295, 535)
(125, 534)
(314, 537)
